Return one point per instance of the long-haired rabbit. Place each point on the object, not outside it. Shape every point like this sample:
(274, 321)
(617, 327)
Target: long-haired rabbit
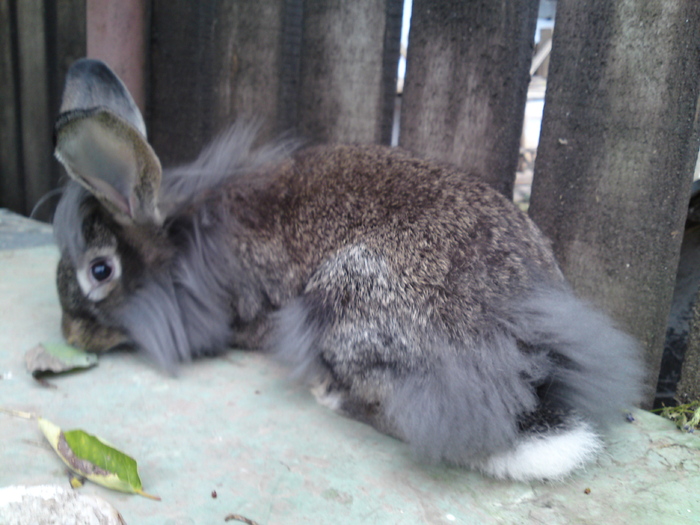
(407, 294)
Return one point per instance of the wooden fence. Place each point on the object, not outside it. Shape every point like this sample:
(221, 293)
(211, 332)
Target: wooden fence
(38, 41)
(619, 136)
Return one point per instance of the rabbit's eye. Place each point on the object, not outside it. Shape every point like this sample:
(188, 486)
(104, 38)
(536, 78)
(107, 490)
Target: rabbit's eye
(100, 276)
(100, 270)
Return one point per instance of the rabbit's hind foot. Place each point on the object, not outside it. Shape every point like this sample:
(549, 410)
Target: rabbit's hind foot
(327, 396)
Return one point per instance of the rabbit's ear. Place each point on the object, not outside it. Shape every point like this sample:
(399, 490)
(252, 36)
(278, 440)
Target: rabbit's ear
(113, 161)
(92, 84)
(101, 141)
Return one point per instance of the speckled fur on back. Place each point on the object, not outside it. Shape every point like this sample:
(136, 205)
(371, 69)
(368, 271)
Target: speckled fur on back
(407, 294)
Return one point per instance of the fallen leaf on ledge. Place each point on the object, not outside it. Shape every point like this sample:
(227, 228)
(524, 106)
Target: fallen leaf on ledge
(56, 358)
(94, 459)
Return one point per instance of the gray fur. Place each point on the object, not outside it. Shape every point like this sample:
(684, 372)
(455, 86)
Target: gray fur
(183, 311)
(599, 370)
(409, 295)
(543, 362)
(232, 155)
(471, 405)
(68, 220)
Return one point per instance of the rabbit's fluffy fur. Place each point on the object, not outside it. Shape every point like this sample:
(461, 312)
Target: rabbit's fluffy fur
(407, 294)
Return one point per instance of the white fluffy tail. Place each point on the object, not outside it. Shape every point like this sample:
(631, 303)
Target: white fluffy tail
(550, 456)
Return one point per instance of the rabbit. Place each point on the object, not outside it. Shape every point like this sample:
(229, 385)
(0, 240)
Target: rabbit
(404, 292)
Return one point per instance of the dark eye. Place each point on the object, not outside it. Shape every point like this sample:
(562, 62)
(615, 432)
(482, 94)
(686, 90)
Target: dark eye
(100, 270)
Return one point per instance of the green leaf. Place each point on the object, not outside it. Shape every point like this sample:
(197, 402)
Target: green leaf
(56, 358)
(94, 459)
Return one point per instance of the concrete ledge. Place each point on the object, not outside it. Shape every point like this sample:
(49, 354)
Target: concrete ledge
(234, 425)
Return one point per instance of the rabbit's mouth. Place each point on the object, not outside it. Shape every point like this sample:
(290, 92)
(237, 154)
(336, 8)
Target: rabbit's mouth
(91, 336)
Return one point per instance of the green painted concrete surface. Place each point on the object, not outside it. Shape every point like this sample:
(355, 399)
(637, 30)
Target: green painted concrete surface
(236, 426)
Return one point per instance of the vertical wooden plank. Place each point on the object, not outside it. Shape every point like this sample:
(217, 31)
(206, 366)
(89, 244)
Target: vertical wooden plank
(259, 35)
(35, 118)
(70, 38)
(210, 63)
(11, 185)
(466, 84)
(66, 42)
(349, 64)
(116, 34)
(292, 25)
(390, 66)
(616, 154)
